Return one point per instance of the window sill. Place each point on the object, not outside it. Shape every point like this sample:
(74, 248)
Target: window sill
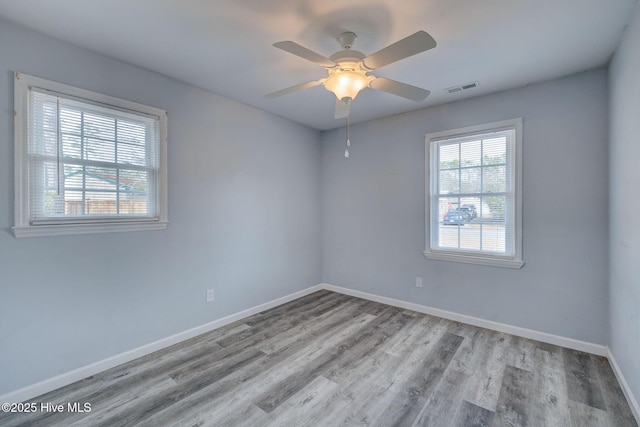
(474, 259)
(69, 229)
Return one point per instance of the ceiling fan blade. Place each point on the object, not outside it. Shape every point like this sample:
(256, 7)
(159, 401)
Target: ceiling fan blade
(400, 89)
(342, 109)
(305, 53)
(294, 88)
(408, 46)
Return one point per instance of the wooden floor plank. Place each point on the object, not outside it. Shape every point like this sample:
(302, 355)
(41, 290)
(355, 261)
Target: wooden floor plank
(269, 325)
(470, 415)
(359, 399)
(131, 414)
(355, 404)
(444, 402)
(417, 334)
(582, 382)
(328, 359)
(521, 353)
(550, 404)
(407, 404)
(353, 368)
(350, 349)
(240, 390)
(617, 408)
(297, 410)
(585, 415)
(483, 357)
(414, 354)
(340, 315)
(513, 404)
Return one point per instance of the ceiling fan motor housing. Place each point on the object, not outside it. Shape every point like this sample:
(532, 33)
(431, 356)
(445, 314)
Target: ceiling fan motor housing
(347, 55)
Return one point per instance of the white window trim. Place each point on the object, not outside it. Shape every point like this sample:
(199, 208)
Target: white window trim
(22, 227)
(514, 261)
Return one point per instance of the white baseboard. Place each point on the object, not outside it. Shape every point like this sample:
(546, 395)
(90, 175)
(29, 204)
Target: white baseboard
(37, 389)
(633, 403)
(587, 347)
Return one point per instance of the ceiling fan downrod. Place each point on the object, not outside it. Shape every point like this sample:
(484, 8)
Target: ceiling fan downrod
(346, 150)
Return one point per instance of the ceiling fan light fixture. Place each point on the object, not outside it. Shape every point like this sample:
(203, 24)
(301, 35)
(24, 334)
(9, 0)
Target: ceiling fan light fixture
(346, 84)
(347, 69)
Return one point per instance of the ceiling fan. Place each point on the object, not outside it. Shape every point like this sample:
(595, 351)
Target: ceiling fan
(348, 69)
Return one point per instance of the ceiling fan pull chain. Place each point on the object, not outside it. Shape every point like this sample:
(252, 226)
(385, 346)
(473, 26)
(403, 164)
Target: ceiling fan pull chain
(346, 150)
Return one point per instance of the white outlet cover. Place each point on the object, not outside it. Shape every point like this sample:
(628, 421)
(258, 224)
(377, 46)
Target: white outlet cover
(210, 295)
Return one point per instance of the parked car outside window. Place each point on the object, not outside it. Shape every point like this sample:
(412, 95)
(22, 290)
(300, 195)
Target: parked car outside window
(469, 211)
(454, 217)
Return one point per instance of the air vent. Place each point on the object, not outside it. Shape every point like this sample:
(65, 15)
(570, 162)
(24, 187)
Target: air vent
(462, 87)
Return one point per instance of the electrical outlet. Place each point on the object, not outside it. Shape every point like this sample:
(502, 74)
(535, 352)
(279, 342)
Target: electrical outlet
(210, 295)
(418, 282)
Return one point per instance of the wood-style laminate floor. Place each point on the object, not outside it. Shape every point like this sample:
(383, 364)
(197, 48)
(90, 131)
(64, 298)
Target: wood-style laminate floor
(333, 360)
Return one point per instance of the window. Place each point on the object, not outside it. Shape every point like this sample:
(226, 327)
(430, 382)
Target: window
(86, 162)
(474, 206)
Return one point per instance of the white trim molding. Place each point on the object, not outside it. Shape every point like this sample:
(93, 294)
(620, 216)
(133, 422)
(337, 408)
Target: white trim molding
(70, 229)
(37, 389)
(631, 399)
(470, 259)
(26, 192)
(571, 343)
(597, 349)
(511, 131)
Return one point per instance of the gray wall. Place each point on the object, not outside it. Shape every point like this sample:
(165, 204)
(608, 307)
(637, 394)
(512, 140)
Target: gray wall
(243, 206)
(246, 218)
(373, 210)
(624, 297)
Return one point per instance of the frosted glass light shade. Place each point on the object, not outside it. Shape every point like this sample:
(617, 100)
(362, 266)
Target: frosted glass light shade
(346, 84)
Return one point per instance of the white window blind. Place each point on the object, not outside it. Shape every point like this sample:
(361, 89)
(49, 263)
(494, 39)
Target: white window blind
(90, 161)
(473, 196)
(87, 162)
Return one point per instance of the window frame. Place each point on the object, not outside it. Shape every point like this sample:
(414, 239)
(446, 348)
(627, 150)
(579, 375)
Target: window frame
(431, 164)
(22, 209)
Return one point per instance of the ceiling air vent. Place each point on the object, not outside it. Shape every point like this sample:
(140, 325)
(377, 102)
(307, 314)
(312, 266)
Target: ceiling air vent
(462, 87)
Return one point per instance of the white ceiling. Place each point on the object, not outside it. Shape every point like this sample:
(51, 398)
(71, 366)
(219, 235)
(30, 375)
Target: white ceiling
(225, 45)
